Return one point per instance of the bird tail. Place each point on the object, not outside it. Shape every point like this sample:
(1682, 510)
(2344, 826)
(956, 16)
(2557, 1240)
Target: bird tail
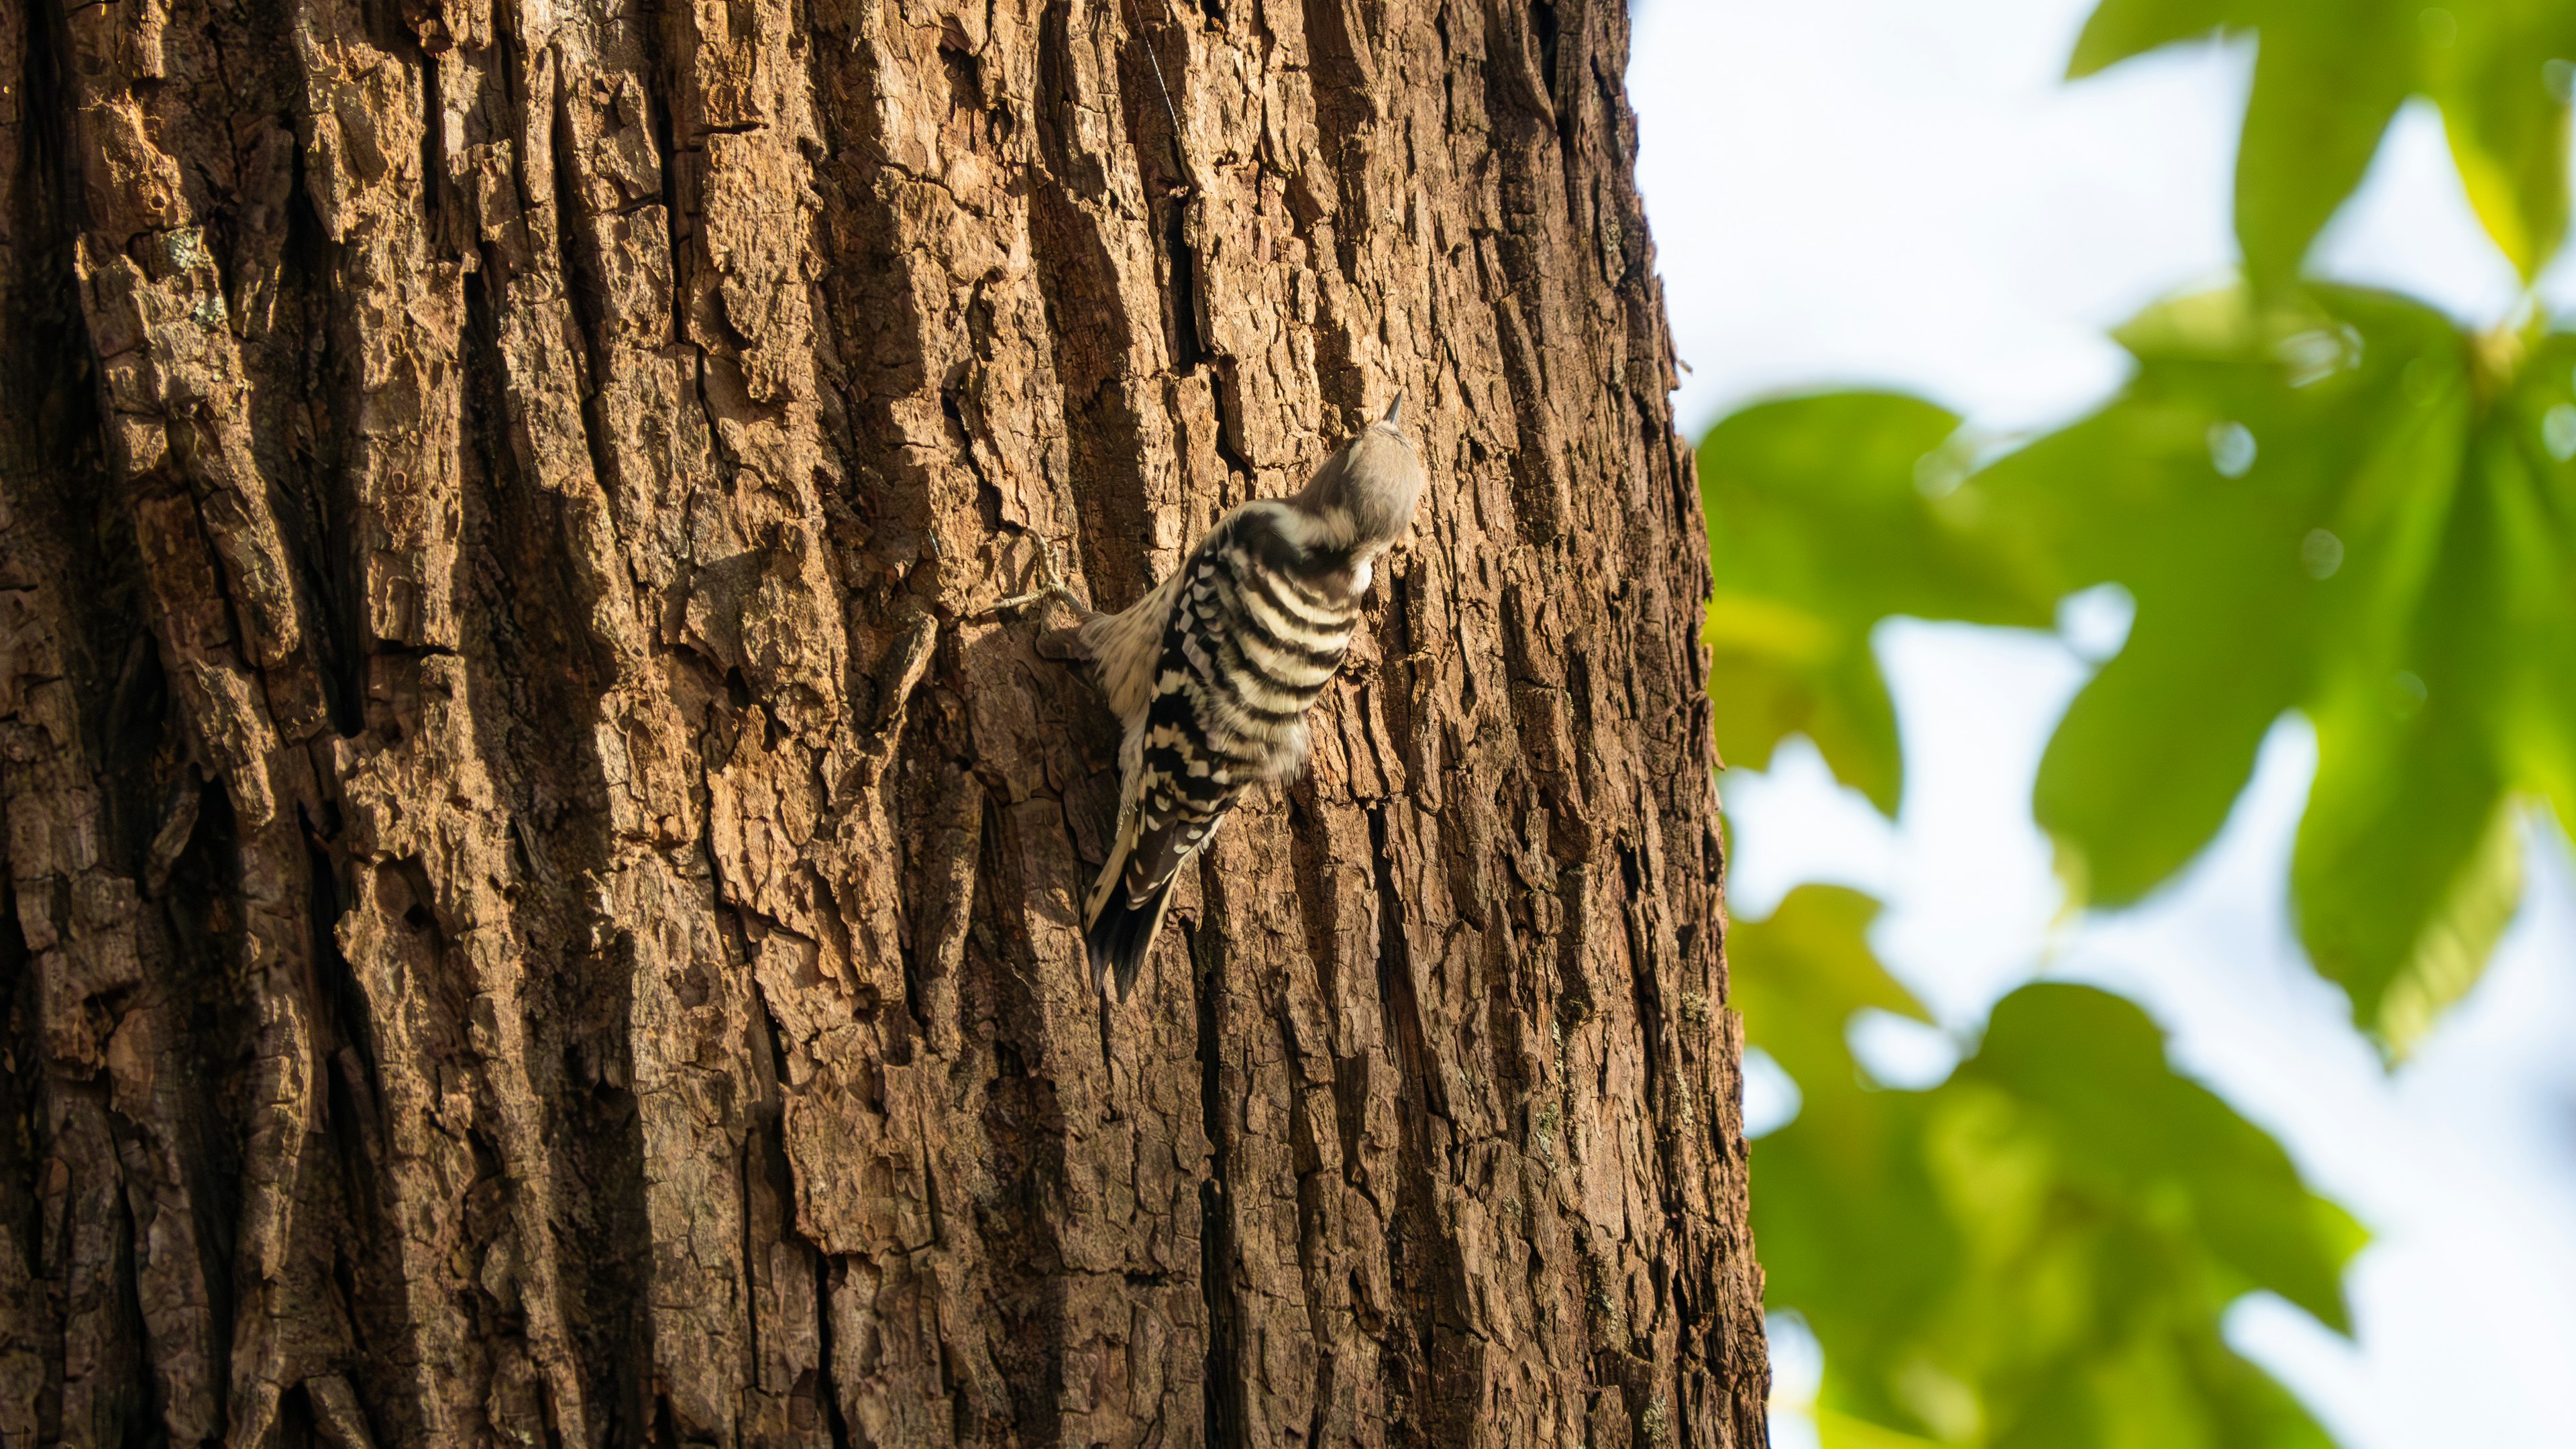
(1121, 935)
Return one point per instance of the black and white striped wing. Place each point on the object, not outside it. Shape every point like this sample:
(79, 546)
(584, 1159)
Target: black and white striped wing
(1247, 647)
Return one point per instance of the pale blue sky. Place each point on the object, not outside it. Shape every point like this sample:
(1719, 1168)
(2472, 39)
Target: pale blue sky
(1874, 192)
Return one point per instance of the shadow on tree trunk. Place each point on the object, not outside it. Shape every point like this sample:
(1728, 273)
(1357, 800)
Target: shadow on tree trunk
(545, 910)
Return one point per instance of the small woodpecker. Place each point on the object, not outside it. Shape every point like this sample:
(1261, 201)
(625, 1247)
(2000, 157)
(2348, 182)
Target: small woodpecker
(1212, 672)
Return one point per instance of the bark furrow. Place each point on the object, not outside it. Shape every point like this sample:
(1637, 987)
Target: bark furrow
(542, 902)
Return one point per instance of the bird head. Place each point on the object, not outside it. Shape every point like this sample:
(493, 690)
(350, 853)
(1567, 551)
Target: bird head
(1367, 491)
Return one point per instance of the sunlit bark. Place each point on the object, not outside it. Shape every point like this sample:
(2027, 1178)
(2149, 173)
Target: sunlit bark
(541, 901)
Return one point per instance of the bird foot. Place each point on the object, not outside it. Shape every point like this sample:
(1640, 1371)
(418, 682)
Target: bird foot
(1051, 586)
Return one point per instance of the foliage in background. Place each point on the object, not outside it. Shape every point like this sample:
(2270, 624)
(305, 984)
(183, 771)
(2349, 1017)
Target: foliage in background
(2335, 504)
(2320, 499)
(2328, 78)
(2038, 1250)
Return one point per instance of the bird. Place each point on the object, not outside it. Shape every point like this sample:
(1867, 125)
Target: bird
(1212, 671)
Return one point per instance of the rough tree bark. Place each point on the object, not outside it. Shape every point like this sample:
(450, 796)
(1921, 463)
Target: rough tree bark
(542, 912)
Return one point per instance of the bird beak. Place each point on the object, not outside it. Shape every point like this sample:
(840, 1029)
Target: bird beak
(1395, 411)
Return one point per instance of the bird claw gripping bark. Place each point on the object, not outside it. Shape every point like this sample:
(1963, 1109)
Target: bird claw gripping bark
(1051, 585)
(1213, 671)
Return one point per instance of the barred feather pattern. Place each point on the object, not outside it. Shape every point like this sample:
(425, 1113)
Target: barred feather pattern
(1254, 627)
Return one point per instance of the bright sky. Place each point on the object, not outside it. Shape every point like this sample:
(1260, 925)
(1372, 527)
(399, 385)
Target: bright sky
(1874, 192)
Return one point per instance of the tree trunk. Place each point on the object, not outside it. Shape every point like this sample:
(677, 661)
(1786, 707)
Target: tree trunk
(544, 901)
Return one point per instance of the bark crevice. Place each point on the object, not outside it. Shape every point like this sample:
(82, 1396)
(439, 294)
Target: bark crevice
(540, 904)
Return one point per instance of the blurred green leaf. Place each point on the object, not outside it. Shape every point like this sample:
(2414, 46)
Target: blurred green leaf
(1817, 971)
(2036, 1252)
(2119, 1122)
(2248, 448)
(2444, 715)
(2536, 508)
(1825, 515)
(1852, 1230)
(2325, 500)
(2119, 29)
(2338, 504)
(2506, 115)
(1842, 1431)
(2348, 508)
(2327, 80)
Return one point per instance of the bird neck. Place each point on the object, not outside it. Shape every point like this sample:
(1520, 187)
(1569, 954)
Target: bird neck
(1332, 551)
(1333, 530)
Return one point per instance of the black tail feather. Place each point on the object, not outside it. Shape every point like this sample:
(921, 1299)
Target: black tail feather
(1122, 936)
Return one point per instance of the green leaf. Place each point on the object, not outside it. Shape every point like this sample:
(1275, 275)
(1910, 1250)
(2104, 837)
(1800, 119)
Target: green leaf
(1852, 1213)
(2203, 489)
(2120, 29)
(2455, 935)
(2407, 865)
(2039, 1250)
(1826, 515)
(1842, 1431)
(2091, 1067)
(2441, 713)
(2327, 81)
(2141, 772)
(2335, 503)
(2396, 556)
(2507, 124)
(2533, 455)
(1815, 970)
